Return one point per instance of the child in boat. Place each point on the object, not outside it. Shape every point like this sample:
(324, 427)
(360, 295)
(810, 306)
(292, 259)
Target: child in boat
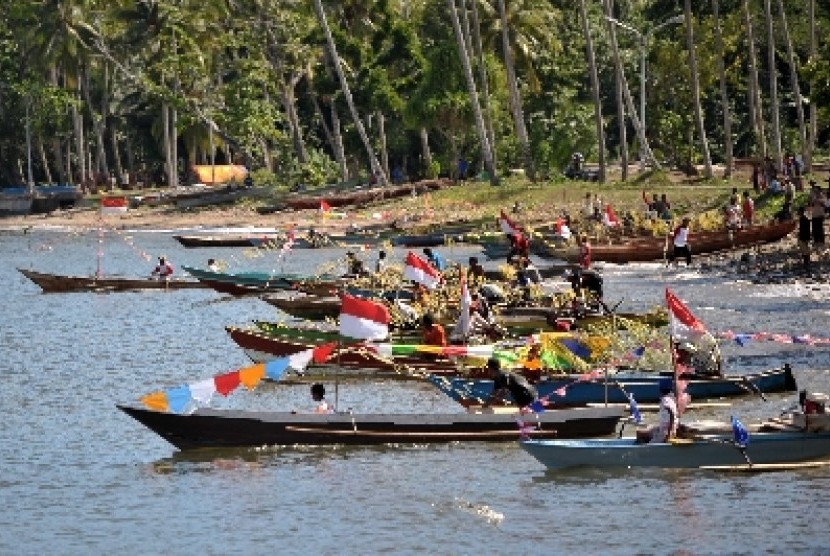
(318, 394)
(163, 270)
(666, 429)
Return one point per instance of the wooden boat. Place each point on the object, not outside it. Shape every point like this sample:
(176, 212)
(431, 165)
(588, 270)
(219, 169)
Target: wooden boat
(536, 318)
(359, 196)
(658, 248)
(227, 240)
(771, 446)
(53, 283)
(642, 385)
(243, 283)
(212, 428)
(310, 307)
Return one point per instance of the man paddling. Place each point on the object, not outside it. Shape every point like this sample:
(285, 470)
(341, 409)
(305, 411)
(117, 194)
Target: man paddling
(505, 382)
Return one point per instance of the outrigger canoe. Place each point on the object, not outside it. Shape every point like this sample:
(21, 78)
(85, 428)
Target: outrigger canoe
(774, 445)
(56, 283)
(213, 428)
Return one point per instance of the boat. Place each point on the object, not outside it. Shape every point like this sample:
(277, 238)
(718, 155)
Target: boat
(213, 428)
(243, 283)
(573, 389)
(54, 283)
(227, 240)
(310, 307)
(15, 200)
(644, 249)
(359, 196)
(536, 318)
(779, 444)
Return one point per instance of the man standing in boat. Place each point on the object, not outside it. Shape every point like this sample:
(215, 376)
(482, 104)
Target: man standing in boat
(505, 382)
(666, 429)
(681, 243)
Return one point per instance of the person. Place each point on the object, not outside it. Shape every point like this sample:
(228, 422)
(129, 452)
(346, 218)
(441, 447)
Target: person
(747, 210)
(433, 332)
(584, 251)
(475, 273)
(665, 207)
(666, 429)
(680, 241)
(587, 206)
(505, 382)
(163, 270)
(756, 177)
(732, 216)
(804, 236)
(519, 247)
(213, 266)
(318, 394)
(531, 271)
(817, 212)
(354, 265)
(435, 259)
(380, 264)
(463, 167)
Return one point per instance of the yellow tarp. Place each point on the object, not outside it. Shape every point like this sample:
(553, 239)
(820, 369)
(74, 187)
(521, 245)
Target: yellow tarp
(221, 173)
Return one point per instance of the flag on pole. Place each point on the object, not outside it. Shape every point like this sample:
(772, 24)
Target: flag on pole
(507, 225)
(462, 327)
(740, 432)
(683, 325)
(420, 271)
(634, 410)
(324, 206)
(363, 319)
(610, 217)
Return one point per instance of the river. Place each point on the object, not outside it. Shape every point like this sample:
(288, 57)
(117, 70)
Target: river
(79, 477)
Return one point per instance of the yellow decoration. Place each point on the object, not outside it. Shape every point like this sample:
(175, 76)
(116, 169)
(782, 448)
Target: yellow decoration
(251, 376)
(157, 401)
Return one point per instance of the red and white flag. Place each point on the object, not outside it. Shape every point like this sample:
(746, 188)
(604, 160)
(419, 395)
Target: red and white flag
(508, 226)
(610, 217)
(113, 205)
(363, 319)
(420, 271)
(683, 325)
(324, 206)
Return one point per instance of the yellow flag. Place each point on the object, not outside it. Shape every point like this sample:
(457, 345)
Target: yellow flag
(251, 376)
(157, 401)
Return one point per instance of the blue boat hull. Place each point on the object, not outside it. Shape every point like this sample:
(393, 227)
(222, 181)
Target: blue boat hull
(763, 449)
(644, 387)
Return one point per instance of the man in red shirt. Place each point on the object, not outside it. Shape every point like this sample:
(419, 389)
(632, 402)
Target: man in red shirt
(433, 333)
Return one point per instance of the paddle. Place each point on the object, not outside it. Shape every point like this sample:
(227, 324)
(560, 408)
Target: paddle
(748, 384)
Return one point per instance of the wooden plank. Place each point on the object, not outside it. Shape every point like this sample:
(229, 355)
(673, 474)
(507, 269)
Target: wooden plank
(765, 467)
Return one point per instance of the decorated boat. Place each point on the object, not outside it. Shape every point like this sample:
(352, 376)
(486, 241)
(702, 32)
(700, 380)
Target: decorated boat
(309, 307)
(243, 283)
(212, 428)
(55, 283)
(643, 249)
(596, 387)
(788, 442)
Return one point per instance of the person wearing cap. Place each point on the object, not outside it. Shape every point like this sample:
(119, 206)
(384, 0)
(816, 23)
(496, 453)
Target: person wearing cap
(666, 429)
(318, 394)
(163, 270)
(506, 382)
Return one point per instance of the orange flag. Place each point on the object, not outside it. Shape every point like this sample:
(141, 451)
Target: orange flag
(157, 401)
(251, 376)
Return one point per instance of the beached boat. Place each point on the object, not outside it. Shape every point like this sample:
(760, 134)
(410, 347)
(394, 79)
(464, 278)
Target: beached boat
(658, 248)
(227, 240)
(244, 283)
(572, 389)
(360, 196)
(774, 445)
(54, 283)
(212, 428)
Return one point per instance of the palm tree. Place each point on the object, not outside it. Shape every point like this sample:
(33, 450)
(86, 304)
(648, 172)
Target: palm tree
(756, 108)
(724, 92)
(592, 72)
(486, 152)
(773, 87)
(799, 105)
(811, 145)
(701, 130)
(485, 84)
(347, 93)
(618, 77)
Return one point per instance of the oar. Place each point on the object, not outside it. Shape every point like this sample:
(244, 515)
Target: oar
(749, 386)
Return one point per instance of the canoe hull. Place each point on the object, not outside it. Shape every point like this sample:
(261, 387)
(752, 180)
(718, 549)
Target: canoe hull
(54, 283)
(213, 428)
(763, 448)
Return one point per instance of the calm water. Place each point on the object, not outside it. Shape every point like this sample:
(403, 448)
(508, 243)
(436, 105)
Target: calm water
(78, 477)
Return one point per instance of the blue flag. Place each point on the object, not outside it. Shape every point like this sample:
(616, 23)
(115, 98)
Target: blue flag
(537, 407)
(741, 434)
(635, 411)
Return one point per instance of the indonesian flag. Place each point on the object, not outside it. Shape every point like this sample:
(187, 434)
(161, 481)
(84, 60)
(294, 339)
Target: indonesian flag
(363, 319)
(420, 271)
(508, 226)
(324, 206)
(562, 229)
(113, 205)
(683, 325)
(610, 217)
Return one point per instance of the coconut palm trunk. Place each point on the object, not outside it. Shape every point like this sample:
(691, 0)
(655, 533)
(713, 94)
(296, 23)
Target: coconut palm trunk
(515, 96)
(757, 111)
(485, 85)
(811, 144)
(347, 93)
(592, 72)
(486, 152)
(612, 33)
(775, 108)
(724, 92)
(799, 105)
(701, 130)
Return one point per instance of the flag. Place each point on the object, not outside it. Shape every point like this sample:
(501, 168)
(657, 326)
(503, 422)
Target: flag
(610, 217)
(113, 205)
(634, 410)
(324, 206)
(508, 226)
(537, 406)
(740, 432)
(683, 325)
(645, 199)
(462, 327)
(420, 271)
(363, 319)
